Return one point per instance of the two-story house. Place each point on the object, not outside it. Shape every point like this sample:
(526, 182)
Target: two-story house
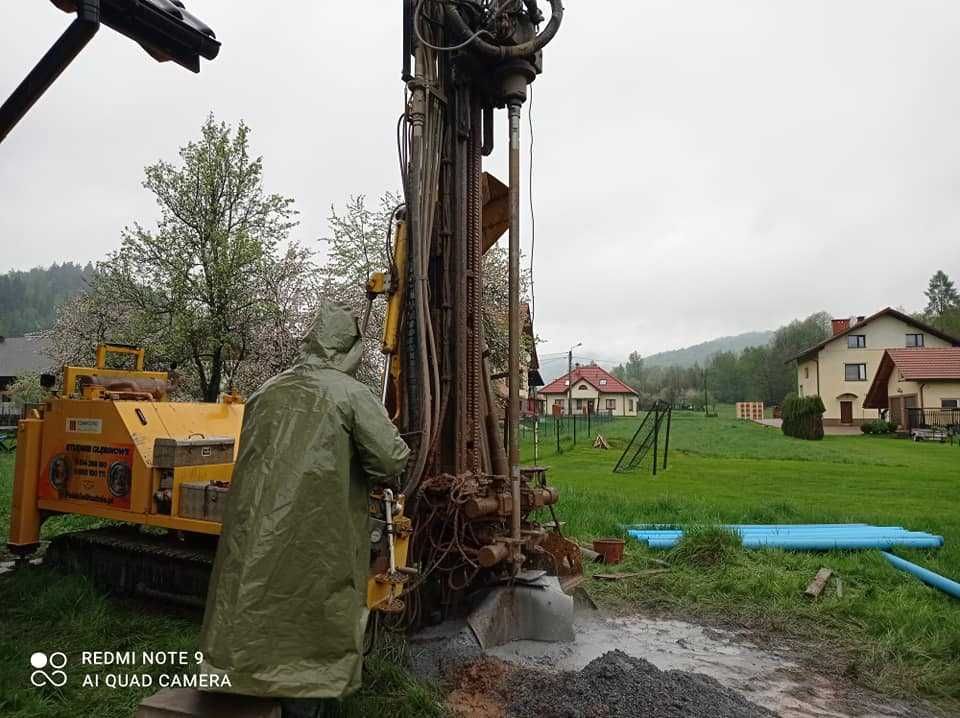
(590, 389)
(841, 368)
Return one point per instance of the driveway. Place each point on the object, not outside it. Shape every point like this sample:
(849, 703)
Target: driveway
(828, 430)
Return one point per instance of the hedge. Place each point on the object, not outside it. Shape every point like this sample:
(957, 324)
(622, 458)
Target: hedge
(803, 417)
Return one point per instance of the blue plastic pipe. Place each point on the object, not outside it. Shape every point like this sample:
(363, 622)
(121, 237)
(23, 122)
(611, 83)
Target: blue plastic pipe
(673, 527)
(822, 543)
(853, 530)
(930, 578)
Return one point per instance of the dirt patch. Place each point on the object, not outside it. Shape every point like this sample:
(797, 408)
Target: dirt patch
(614, 685)
(477, 690)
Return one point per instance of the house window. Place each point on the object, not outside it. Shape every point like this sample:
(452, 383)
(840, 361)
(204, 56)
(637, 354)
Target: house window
(582, 387)
(630, 404)
(806, 372)
(950, 403)
(855, 372)
(603, 382)
(856, 341)
(578, 403)
(914, 340)
(611, 403)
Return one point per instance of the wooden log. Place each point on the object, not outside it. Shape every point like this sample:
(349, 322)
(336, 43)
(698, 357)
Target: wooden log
(819, 582)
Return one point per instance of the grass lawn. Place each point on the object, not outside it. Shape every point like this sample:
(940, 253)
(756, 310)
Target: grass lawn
(887, 631)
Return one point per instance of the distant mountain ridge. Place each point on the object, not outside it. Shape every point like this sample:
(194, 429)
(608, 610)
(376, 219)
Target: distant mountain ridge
(703, 352)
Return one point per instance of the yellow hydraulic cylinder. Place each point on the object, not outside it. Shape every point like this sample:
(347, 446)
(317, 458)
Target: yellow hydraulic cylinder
(24, 516)
(391, 327)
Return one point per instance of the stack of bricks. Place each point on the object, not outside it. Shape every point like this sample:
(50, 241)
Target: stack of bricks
(750, 410)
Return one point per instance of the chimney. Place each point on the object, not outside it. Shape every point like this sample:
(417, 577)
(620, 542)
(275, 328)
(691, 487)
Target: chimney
(576, 365)
(840, 326)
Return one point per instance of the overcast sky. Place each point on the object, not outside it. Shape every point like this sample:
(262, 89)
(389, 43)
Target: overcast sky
(701, 167)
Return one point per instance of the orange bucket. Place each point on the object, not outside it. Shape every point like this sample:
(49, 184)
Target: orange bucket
(610, 548)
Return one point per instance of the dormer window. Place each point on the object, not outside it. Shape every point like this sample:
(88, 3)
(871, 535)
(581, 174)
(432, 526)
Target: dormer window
(856, 341)
(582, 387)
(603, 382)
(914, 340)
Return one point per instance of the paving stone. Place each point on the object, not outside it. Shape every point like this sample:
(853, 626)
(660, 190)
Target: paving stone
(191, 703)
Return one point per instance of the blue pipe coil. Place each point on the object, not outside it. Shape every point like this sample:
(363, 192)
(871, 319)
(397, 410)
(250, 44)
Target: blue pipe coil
(930, 578)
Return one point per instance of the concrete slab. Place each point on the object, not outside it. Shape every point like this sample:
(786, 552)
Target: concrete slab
(191, 703)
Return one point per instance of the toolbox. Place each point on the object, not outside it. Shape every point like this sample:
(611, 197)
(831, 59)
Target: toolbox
(170, 453)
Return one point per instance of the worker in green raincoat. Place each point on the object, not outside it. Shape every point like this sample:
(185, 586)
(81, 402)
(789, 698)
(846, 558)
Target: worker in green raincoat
(286, 609)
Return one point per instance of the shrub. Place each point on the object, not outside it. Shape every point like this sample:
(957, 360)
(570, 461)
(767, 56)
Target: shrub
(878, 426)
(803, 417)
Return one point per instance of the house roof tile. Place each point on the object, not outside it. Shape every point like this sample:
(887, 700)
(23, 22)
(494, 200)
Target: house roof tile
(889, 311)
(23, 355)
(591, 374)
(918, 364)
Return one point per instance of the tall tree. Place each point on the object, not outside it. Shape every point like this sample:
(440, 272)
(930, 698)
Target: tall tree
(943, 300)
(200, 288)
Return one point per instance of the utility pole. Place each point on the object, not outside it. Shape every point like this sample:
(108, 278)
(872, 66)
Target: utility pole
(570, 378)
(706, 405)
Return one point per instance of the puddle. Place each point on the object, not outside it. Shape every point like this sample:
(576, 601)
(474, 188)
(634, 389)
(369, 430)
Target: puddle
(768, 679)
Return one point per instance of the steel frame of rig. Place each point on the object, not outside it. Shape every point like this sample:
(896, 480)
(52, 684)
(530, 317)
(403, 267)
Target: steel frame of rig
(470, 501)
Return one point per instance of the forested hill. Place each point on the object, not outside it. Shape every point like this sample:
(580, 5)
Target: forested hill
(702, 353)
(29, 300)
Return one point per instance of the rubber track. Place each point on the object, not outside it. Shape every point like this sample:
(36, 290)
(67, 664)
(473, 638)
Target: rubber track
(126, 562)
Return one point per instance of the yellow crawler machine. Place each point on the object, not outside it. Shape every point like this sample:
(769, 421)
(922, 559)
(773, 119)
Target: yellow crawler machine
(111, 446)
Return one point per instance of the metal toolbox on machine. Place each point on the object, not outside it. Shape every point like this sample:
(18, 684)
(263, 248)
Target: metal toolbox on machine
(205, 501)
(170, 453)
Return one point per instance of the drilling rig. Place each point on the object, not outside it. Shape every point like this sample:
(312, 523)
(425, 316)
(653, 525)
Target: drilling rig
(471, 503)
(464, 537)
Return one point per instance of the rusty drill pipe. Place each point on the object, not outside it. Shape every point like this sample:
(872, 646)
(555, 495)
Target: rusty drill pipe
(514, 316)
(475, 508)
(493, 554)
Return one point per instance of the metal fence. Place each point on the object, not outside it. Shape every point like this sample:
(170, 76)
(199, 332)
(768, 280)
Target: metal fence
(9, 414)
(945, 419)
(554, 434)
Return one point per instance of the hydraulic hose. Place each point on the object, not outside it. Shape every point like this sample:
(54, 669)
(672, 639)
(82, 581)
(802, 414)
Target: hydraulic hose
(507, 52)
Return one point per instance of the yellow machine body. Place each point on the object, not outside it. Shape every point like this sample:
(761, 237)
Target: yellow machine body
(72, 453)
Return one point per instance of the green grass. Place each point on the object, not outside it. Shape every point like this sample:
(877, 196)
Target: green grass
(888, 631)
(42, 610)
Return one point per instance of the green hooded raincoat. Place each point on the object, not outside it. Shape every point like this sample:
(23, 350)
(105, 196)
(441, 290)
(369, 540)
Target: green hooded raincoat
(286, 609)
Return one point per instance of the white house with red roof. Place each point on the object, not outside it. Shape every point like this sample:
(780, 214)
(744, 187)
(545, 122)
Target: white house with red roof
(589, 389)
(927, 378)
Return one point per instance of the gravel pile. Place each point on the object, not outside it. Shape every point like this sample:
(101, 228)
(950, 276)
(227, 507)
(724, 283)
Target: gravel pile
(616, 685)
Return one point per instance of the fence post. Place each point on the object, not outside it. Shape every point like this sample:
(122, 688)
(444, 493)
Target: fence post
(536, 439)
(656, 437)
(574, 429)
(556, 426)
(666, 442)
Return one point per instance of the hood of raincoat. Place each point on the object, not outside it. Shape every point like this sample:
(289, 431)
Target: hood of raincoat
(333, 341)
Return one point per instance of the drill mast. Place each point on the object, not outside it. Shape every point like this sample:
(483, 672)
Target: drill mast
(463, 60)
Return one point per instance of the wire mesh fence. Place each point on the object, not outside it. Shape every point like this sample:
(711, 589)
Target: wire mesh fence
(554, 434)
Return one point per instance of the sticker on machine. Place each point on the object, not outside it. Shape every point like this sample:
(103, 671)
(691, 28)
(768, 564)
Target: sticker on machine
(85, 426)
